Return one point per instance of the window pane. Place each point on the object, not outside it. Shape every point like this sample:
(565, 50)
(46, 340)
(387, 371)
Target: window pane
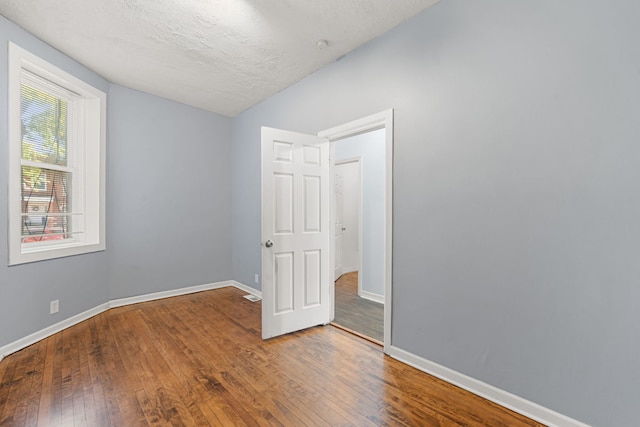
(44, 118)
(46, 205)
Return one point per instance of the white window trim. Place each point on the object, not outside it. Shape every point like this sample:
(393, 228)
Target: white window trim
(93, 165)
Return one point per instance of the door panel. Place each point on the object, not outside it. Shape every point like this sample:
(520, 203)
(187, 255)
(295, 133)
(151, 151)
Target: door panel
(312, 204)
(283, 200)
(283, 282)
(295, 222)
(312, 279)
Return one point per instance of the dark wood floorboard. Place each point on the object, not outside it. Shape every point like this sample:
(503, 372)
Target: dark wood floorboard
(198, 360)
(355, 313)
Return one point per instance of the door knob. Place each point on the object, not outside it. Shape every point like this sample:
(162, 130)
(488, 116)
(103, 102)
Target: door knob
(344, 229)
(268, 243)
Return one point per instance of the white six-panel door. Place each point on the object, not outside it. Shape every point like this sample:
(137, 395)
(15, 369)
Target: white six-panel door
(295, 232)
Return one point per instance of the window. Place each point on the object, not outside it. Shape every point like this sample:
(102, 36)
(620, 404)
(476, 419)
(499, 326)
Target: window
(56, 155)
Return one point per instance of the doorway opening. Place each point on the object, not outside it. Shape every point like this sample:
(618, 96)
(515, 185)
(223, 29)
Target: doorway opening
(359, 234)
(361, 163)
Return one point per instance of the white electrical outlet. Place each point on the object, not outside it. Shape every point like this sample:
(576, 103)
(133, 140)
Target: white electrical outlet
(256, 278)
(54, 306)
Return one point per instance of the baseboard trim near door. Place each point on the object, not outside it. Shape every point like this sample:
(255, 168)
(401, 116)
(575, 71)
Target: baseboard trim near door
(501, 397)
(372, 297)
(182, 291)
(246, 288)
(120, 302)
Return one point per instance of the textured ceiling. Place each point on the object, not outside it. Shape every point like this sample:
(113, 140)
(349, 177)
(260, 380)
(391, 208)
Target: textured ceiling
(220, 55)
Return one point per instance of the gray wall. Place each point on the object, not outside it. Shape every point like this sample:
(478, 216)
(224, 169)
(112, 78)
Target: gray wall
(370, 147)
(168, 216)
(516, 203)
(79, 282)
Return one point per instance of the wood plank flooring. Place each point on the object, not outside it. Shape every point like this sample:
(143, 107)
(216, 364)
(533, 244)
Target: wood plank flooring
(357, 314)
(198, 360)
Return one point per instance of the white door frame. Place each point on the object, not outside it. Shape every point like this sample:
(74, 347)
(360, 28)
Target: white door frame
(377, 121)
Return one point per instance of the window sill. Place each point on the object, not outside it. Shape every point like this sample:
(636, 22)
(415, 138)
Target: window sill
(44, 253)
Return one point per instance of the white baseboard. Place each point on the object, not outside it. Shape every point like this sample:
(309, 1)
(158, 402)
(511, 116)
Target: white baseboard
(372, 297)
(168, 294)
(245, 288)
(53, 329)
(503, 398)
(50, 330)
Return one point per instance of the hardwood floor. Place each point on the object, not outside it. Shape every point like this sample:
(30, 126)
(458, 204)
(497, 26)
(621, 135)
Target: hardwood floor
(357, 314)
(199, 360)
